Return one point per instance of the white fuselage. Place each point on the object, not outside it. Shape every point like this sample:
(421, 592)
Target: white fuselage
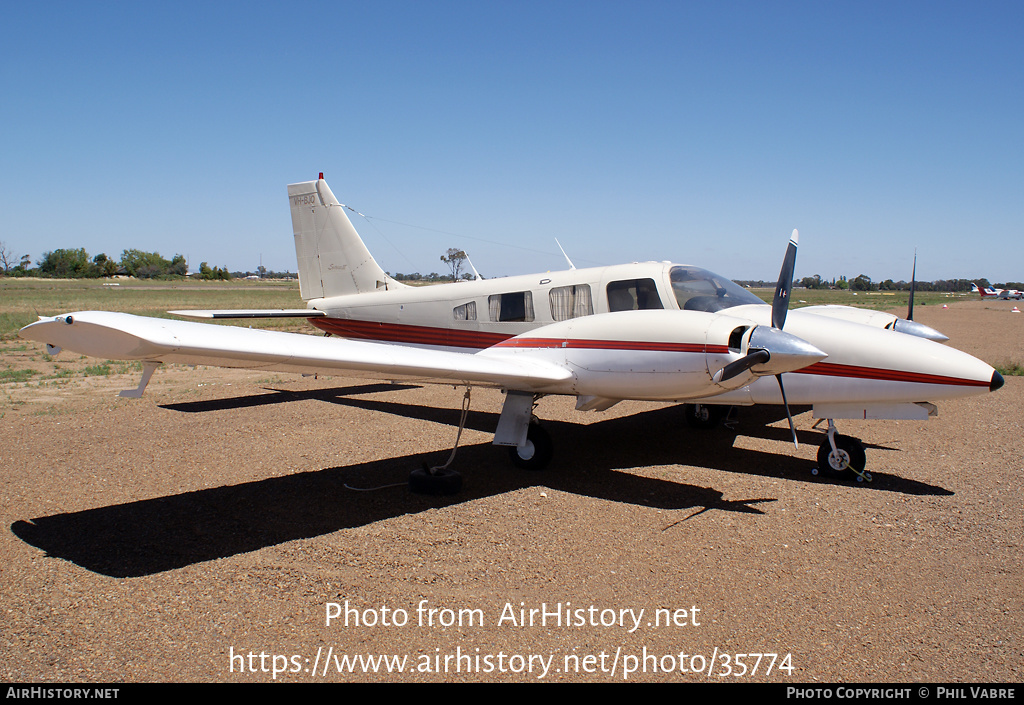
(468, 316)
(661, 352)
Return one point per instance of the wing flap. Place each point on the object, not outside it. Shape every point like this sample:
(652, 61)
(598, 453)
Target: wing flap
(251, 313)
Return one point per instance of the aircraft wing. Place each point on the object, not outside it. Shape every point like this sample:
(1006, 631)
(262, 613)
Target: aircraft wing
(122, 336)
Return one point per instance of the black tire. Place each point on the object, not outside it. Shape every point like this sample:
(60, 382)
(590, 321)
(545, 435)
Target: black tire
(851, 452)
(703, 416)
(537, 440)
(440, 482)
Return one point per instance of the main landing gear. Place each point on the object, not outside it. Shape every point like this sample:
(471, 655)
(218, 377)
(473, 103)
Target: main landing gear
(536, 453)
(529, 445)
(703, 416)
(842, 456)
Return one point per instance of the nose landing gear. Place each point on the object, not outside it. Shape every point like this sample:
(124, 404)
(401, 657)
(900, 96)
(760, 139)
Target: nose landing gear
(842, 456)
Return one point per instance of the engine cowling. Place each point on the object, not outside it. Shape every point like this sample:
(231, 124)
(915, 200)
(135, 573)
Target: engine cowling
(659, 354)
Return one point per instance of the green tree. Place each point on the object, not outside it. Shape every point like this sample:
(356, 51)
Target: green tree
(144, 264)
(65, 263)
(23, 268)
(103, 266)
(861, 283)
(178, 266)
(206, 272)
(455, 259)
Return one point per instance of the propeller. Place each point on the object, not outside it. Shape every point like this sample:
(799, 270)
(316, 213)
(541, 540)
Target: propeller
(775, 350)
(779, 351)
(780, 307)
(754, 357)
(780, 304)
(908, 325)
(913, 284)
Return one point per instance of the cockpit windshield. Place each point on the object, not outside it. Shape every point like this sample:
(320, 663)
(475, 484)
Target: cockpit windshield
(698, 289)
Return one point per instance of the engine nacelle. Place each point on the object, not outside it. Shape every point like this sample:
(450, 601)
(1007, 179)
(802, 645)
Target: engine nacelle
(656, 355)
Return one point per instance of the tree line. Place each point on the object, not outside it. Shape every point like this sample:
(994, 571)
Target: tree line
(76, 264)
(863, 282)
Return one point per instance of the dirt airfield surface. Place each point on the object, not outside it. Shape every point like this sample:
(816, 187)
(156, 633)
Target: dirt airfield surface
(203, 533)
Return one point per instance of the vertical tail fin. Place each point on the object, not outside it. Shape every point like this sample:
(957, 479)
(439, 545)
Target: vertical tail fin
(333, 261)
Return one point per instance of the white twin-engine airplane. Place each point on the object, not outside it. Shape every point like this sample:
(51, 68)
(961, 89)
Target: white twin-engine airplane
(646, 331)
(992, 293)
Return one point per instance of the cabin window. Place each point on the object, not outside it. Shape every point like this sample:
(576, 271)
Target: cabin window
(465, 312)
(515, 307)
(633, 295)
(570, 302)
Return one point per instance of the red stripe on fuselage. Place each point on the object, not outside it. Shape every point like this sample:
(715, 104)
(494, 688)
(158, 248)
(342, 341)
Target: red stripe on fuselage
(411, 335)
(454, 338)
(828, 369)
(644, 345)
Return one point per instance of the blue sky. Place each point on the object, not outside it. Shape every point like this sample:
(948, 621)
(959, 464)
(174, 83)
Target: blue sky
(696, 132)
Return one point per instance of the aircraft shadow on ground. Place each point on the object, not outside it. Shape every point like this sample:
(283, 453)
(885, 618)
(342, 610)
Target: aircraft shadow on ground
(156, 535)
(282, 396)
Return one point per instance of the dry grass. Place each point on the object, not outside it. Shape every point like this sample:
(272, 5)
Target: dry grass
(26, 299)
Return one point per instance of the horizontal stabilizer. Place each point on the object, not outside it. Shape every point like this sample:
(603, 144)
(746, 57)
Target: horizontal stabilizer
(255, 313)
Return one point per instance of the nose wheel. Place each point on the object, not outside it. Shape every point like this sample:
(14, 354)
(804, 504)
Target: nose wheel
(842, 456)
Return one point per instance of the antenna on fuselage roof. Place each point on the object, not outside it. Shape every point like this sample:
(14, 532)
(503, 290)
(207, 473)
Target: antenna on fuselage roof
(571, 265)
(476, 274)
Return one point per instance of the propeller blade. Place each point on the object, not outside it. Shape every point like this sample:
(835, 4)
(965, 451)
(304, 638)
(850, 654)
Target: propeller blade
(780, 307)
(740, 366)
(792, 426)
(913, 284)
(780, 304)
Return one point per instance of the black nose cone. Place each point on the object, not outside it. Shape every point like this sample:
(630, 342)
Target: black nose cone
(997, 382)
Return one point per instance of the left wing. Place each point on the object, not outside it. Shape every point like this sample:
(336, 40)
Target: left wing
(122, 336)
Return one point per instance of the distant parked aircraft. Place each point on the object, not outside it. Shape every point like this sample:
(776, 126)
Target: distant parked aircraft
(991, 293)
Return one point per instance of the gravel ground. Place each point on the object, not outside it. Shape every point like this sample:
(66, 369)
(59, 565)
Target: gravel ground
(203, 532)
